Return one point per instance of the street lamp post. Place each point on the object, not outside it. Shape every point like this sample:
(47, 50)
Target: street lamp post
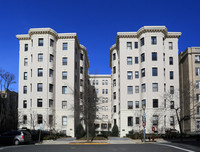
(144, 121)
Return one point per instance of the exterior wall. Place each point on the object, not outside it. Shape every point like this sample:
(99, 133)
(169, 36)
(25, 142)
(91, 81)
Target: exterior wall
(103, 116)
(72, 82)
(189, 90)
(163, 54)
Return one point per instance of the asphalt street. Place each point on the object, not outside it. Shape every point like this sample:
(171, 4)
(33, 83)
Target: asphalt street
(98, 148)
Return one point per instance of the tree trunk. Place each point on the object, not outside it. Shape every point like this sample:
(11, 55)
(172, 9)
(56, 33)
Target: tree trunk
(179, 122)
(88, 135)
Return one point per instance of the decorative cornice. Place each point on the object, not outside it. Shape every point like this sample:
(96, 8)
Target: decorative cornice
(113, 47)
(43, 31)
(23, 37)
(100, 76)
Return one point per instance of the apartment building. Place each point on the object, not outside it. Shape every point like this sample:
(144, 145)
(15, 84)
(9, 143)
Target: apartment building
(145, 80)
(189, 66)
(51, 68)
(102, 85)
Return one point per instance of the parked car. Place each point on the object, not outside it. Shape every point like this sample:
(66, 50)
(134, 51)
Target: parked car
(15, 137)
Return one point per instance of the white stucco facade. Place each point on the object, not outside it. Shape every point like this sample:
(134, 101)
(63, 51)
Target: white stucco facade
(138, 61)
(102, 84)
(49, 81)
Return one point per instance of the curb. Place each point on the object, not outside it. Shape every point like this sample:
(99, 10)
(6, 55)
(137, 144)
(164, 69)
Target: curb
(88, 143)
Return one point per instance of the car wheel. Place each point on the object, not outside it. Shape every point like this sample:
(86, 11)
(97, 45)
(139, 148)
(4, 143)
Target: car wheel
(16, 142)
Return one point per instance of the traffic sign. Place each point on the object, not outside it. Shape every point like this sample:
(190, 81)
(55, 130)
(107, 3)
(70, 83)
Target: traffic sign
(143, 124)
(153, 128)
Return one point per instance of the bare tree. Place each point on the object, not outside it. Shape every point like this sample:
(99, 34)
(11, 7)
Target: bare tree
(1, 78)
(9, 79)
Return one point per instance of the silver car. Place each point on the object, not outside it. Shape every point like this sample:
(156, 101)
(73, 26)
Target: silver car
(15, 137)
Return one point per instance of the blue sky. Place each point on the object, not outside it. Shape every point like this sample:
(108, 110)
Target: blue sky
(96, 22)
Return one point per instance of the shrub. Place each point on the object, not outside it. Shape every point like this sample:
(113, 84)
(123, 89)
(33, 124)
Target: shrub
(115, 131)
(106, 133)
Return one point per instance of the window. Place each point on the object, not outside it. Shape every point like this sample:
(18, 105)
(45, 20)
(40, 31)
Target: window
(64, 89)
(106, 100)
(106, 91)
(130, 121)
(64, 120)
(40, 42)
(64, 104)
(51, 42)
(51, 58)
(50, 73)
(171, 89)
(25, 119)
(137, 120)
(64, 61)
(114, 82)
(198, 124)
(136, 45)
(103, 82)
(154, 56)
(197, 84)
(198, 110)
(129, 60)
(198, 97)
(50, 87)
(65, 46)
(197, 71)
(154, 71)
(25, 75)
(114, 70)
(143, 73)
(129, 75)
(136, 60)
(130, 104)
(39, 87)
(171, 120)
(81, 56)
(142, 57)
(155, 103)
(25, 104)
(155, 87)
(103, 126)
(81, 70)
(64, 75)
(106, 82)
(50, 120)
(136, 89)
(170, 60)
(155, 120)
(130, 89)
(171, 104)
(114, 95)
(40, 72)
(25, 90)
(25, 61)
(40, 57)
(26, 47)
(137, 104)
(129, 45)
(171, 75)
(114, 56)
(39, 119)
(153, 40)
(170, 46)
(103, 91)
(39, 102)
(50, 103)
(164, 57)
(144, 103)
(143, 88)
(141, 41)
(136, 74)
(197, 58)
